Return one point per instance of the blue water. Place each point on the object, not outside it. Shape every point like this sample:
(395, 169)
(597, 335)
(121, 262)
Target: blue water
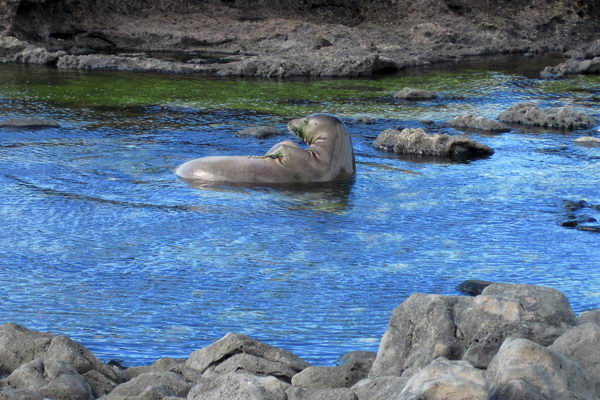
(101, 242)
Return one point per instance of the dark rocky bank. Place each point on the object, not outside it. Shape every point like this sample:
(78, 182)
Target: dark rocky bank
(312, 38)
(509, 342)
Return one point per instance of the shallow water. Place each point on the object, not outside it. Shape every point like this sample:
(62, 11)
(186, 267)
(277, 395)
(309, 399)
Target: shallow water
(103, 243)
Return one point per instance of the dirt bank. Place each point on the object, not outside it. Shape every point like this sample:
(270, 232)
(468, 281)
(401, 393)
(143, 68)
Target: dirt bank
(286, 38)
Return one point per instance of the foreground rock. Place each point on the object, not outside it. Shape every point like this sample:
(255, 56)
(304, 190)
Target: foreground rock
(259, 132)
(425, 327)
(236, 352)
(28, 123)
(415, 94)
(239, 386)
(475, 122)
(526, 370)
(418, 142)
(557, 118)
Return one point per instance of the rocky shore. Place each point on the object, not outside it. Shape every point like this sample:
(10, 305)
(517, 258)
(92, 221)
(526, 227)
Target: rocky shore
(287, 38)
(508, 342)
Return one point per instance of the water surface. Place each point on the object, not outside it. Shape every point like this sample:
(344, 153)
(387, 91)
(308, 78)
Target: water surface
(103, 243)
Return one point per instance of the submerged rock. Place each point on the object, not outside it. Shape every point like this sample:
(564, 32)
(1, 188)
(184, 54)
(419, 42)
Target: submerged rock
(557, 118)
(476, 122)
(260, 132)
(415, 94)
(589, 141)
(419, 142)
(363, 120)
(28, 123)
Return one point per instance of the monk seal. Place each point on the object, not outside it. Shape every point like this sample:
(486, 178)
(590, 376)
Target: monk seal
(329, 157)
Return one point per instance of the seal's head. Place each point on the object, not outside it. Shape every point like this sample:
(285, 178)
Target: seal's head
(310, 128)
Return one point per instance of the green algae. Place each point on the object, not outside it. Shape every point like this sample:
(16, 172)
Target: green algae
(346, 97)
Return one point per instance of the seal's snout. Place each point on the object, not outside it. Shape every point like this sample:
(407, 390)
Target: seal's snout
(298, 127)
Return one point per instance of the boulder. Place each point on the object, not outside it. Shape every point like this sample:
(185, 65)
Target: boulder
(99, 383)
(589, 141)
(593, 50)
(166, 364)
(253, 365)
(329, 377)
(296, 393)
(379, 388)
(12, 394)
(572, 67)
(151, 386)
(56, 380)
(420, 143)
(555, 118)
(478, 123)
(10, 47)
(363, 358)
(446, 380)
(19, 345)
(239, 386)
(235, 343)
(524, 370)
(259, 132)
(580, 344)
(415, 94)
(28, 123)
(425, 327)
(364, 120)
(589, 316)
(473, 287)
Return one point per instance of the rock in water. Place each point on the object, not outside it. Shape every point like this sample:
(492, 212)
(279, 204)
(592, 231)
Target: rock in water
(260, 132)
(476, 122)
(473, 287)
(557, 118)
(419, 142)
(589, 141)
(415, 94)
(28, 123)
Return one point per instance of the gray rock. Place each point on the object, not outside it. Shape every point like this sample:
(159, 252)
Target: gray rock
(364, 120)
(38, 56)
(446, 380)
(161, 365)
(260, 132)
(364, 359)
(296, 393)
(476, 122)
(526, 370)
(104, 62)
(151, 386)
(54, 379)
(420, 143)
(379, 388)
(589, 141)
(99, 383)
(235, 343)
(19, 345)
(239, 386)
(593, 50)
(28, 123)
(580, 344)
(415, 94)
(12, 394)
(425, 327)
(10, 47)
(330, 377)
(589, 316)
(254, 365)
(572, 67)
(473, 287)
(557, 118)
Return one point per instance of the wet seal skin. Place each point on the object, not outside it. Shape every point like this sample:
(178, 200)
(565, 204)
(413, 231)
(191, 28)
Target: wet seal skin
(329, 158)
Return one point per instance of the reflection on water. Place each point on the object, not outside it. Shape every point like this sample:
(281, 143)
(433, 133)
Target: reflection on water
(102, 242)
